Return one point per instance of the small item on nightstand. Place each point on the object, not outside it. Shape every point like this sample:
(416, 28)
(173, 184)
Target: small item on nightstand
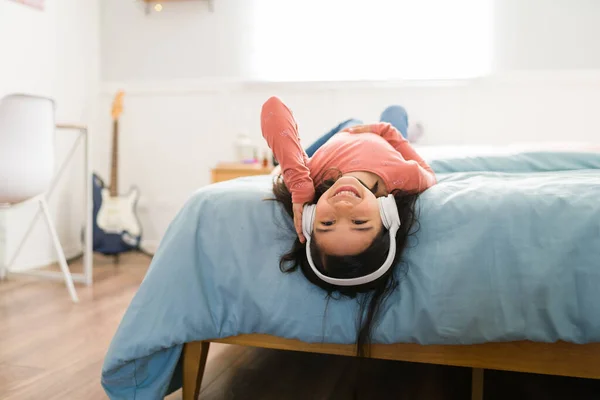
(253, 159)
(265, 160)
(244, 148)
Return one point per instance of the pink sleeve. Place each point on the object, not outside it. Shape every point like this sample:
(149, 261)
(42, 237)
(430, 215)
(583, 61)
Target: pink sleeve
(281, 133)
(421, 174)
(411, 177)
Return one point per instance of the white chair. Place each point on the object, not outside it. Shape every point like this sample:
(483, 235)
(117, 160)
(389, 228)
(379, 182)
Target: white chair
(27, 162)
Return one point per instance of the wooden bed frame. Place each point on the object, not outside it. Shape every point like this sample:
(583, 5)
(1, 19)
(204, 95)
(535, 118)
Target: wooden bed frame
(560, 358)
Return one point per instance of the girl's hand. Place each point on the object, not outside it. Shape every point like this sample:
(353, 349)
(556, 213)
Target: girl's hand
(298, 209)
(361, 129)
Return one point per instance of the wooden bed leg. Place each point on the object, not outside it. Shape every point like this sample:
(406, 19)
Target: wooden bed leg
(195, 355)
(477, 384)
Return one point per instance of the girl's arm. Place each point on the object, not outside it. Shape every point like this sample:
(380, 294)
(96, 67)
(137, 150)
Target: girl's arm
(395, 138)
(416, 175)
(281, 133)
(411, 177)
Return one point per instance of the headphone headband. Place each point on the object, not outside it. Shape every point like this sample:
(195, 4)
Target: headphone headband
(391, 221)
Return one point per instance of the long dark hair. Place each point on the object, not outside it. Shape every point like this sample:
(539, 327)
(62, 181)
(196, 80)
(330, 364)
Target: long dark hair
(372, 294)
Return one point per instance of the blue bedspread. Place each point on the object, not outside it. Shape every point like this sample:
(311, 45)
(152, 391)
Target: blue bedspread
(499, 256)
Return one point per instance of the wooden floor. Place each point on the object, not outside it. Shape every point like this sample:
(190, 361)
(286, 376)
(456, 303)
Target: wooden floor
(51, 348)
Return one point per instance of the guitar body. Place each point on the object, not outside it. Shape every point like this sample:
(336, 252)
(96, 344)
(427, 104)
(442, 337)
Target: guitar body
(116, 227)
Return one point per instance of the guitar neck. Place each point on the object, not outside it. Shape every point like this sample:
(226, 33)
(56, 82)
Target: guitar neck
(114, 189)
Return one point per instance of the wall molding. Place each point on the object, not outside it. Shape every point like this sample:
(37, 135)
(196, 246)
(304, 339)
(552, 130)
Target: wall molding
(225, 85)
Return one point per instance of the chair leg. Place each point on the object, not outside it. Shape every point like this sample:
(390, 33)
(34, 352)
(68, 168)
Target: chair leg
(23, 239)
(62, 261)
(195, 355)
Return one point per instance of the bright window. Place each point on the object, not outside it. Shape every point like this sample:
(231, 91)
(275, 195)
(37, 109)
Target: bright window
(323, 40)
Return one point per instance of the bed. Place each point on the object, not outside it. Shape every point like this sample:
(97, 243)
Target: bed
(503, 274)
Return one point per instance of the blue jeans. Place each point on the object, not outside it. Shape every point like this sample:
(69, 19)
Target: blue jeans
(398, 117)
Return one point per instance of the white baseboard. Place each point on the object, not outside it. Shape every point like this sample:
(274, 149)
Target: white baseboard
(73, 251)
(70, 252)
(150, 245)
(3, 256)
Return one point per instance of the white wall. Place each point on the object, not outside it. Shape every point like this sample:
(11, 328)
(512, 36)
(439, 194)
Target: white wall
(188, 96)
(184, 41)
(547, 35)
(54, 52)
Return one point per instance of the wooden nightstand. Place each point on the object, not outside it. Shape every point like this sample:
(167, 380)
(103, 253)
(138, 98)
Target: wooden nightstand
(227, 171)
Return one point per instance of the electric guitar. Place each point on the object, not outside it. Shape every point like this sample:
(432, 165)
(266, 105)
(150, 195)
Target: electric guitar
(116, 226)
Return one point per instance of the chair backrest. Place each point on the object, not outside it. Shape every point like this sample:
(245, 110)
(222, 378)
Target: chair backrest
(26, 146)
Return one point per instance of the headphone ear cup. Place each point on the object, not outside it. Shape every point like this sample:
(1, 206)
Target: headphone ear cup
(308, 219)
(389, 212)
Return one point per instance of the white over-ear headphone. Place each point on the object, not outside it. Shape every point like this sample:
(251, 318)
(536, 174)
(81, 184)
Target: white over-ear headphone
(391, 221)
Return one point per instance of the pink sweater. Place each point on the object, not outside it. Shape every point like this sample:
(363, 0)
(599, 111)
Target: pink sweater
(384, 152)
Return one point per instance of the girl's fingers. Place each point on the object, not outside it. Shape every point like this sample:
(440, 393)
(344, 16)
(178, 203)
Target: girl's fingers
(360, 129)
(298, 225)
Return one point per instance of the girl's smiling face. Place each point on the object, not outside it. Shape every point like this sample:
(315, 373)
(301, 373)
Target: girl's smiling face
(347, 218)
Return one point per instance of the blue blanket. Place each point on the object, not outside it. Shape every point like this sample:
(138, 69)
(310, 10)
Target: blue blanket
(499, 256)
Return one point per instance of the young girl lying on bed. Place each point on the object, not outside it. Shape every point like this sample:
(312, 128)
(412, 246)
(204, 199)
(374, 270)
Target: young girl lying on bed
(352, 204)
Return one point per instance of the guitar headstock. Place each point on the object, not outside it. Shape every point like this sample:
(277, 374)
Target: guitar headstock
(117, 106)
